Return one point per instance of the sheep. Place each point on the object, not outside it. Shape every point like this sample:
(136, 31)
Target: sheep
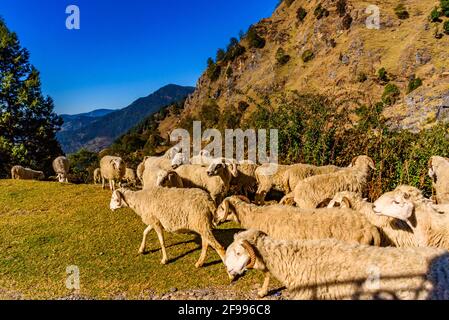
(172, 210)
(21, 173)
(291, 223)
(331, 269)
(215, 179)
(393, 232)
(154, 167)
(439, 173)
(140, 170)
(130, 177)
(313, 191)
(285, 177)
(97, 175)
(61, 167)
(430, 227)
(168, 179)
(112, 169)
(246, 181)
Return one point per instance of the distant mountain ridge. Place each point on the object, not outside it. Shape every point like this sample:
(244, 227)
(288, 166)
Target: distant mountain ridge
(98, 129)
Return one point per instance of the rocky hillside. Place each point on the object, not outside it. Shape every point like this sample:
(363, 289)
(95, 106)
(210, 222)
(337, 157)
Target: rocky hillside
(325, 47)
(100, 132)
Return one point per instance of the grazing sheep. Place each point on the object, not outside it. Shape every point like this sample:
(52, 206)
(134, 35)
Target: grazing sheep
(393, 232)
(291, 223)
(331, 269)
(130, 177)
(430, 227)
(316, 190)
(285, 178)
(439, 173)
(61, 167)
(215, 180)
(112, 169)
(168, 179)
(21, 173)
(97, 175)
(172, 210)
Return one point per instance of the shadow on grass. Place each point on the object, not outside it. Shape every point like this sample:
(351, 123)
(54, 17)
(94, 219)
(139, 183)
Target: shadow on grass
(226, 236)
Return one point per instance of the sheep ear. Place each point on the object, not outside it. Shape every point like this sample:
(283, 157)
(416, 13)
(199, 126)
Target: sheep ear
(372, 164)
(345, 203)
(406, 196)
(430, 163)
(353, 162)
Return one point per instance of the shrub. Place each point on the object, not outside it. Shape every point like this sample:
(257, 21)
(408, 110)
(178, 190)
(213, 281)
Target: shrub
(383, 75)
(401, 12)
(221, 54)
(347, 22)
(234, 50)
(435, 15)
(307, 55)
(301, 14)
(254, 39)
(444, 4)
(213, 70)
(341, 7)
(82, 166)
(281, 57)
(414, 84)
(362, 77)
(446, 27)
(210, 114)
(229, 71)
(320, 12)
(391, 94)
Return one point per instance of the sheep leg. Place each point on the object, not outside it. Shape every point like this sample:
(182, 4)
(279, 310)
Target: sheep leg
(160, 235)
(144, 240)
(103, 183)
(264, 290)
(261, 193)
(204, 246)
(112, 184)
(217, 247)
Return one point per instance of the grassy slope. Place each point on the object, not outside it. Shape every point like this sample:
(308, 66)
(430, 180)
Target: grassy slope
(45, 227)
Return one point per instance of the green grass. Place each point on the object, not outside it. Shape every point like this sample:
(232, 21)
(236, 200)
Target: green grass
(46, 227)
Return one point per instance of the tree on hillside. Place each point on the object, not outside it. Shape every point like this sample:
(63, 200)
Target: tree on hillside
(27, 121)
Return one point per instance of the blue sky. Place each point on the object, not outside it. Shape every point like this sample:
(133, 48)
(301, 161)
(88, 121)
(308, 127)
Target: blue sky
(124, 49)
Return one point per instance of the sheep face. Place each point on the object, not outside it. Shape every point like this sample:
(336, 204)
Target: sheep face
(62, 177)
(238, 257)
(339, 201)
(396, 204)
(215, 169)
(225, 212)
(178, 160)
(117, 201)
(363, 161)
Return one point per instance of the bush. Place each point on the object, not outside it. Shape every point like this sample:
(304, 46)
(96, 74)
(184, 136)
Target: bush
(213, 70)
(391, 94)
(444, 4)
(281, 57)
(446, 27)
(383, 75)
(341, 7)
(229, 71)
(435, 15)
(209, 114)
(301, 14)
(82, 165)
(320, 12)
(414, 84)
(362, 77)
(401, 12)
(221, 54)
(347, 22)
(307, 55)
(254, 39)
(234, 50)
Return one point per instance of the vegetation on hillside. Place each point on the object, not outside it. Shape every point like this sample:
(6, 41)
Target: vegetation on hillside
(27, 121)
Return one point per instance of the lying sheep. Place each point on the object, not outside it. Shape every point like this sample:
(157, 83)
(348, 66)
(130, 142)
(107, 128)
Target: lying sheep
(61, 167)
(112, 169)
(21, 173)
(393, 232)
(439, 173)
(331, 269)
(291, 223)
(316, 190)
(215, 180)
(285, 177)
(130, 177)
(430, 227)
(172, 210)
(97, 175)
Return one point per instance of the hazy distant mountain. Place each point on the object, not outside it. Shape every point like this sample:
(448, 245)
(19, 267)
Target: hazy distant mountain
(98, 129)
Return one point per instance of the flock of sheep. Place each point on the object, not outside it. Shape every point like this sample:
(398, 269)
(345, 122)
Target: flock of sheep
(322, 241)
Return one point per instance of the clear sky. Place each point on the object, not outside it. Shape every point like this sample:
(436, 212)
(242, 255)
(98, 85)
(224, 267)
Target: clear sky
(124, 49)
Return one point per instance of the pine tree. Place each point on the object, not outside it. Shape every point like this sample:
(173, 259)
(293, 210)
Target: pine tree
(28, 124)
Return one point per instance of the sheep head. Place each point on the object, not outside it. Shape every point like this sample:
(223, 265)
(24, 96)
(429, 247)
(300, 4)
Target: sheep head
(363, 161)
(340, 201)
(396, 204)
(118, 200)
(179, 159)
(435, 164)
(241, 254)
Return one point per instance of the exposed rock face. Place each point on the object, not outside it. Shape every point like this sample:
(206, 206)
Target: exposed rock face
(345, 62)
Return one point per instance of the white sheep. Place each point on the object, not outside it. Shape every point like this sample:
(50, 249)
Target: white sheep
(172, 210)
(430, 226)
(315, 190)
(331, 269)
(292, 223)
(97, 176)
(21, 173)
(245, 182)
(284, 178)
(393, 232)
(61, 167)
(439, 173)
(139, 171)
(112, 169)
(168, 179)
(130, 177)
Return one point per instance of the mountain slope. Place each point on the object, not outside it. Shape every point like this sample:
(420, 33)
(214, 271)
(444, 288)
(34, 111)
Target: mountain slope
(76, 121)
(332, 52)
(102, 131)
